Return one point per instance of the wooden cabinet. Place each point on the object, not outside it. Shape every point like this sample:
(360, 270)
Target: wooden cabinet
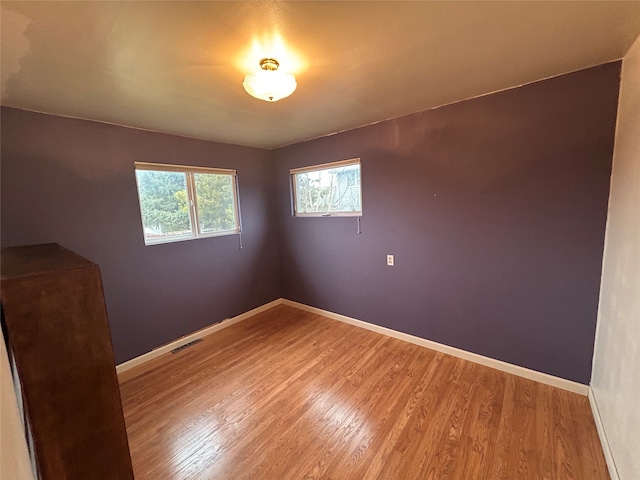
(55, 322)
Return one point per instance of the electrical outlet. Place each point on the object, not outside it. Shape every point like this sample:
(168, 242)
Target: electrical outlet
(390, 260)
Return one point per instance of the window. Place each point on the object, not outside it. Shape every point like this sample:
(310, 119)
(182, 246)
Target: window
(181, 203)
(328, 189)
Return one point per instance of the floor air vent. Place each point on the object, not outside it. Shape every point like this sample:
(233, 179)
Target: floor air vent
(186, 345)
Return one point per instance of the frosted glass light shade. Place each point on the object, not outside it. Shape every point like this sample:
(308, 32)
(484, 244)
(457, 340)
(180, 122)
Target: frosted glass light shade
(270, 85)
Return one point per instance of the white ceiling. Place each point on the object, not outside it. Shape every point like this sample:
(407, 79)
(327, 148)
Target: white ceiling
(178, 67)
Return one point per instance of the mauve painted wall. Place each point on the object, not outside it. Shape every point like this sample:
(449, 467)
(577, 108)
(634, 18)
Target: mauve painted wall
(495, 211)
(72, 182)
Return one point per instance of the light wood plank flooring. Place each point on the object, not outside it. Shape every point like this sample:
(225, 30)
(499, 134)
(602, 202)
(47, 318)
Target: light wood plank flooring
(289, 394)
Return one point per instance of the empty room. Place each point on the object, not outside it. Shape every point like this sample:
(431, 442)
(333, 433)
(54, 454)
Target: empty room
(320, 240)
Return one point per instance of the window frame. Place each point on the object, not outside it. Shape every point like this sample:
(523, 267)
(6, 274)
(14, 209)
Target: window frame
(316, 168)
(192, 200)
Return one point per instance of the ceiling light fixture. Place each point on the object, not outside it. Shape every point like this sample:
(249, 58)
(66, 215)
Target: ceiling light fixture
(268, 83)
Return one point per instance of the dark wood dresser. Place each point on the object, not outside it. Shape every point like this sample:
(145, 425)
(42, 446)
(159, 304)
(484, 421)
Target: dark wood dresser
(56, 327)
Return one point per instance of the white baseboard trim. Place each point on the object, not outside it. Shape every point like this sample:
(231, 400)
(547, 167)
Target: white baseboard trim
(606, 448)
(456, 352)
(439, 347)
(156, 352)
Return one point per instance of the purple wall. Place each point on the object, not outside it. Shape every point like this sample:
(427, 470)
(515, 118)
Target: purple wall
(495, 210)
(72, 182)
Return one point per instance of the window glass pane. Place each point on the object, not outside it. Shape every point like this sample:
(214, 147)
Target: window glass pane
(164, 204)
(332, 190)
(215, 202)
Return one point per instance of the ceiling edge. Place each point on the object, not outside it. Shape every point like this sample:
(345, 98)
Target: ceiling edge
(319, 136)
(454, 102)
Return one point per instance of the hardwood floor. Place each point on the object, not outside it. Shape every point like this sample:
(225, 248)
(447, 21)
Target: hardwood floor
(289, 394)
